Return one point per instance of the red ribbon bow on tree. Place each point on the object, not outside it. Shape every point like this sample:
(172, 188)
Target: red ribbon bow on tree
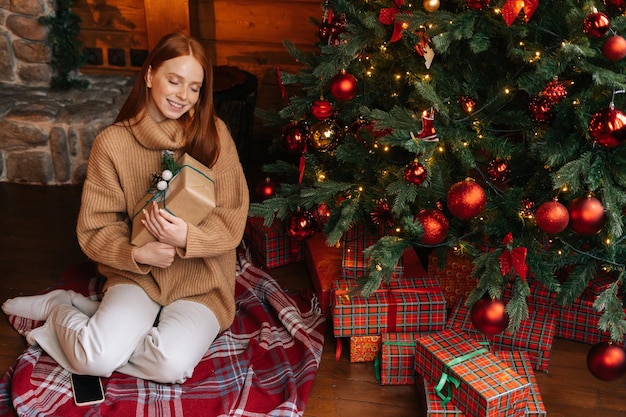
(387, 16)
(513, 258)
(511, 9)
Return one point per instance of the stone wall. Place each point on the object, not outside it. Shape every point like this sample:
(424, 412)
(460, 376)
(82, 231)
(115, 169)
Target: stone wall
(45, 135)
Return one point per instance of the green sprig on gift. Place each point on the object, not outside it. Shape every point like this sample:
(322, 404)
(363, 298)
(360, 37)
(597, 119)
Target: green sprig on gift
(170, 168)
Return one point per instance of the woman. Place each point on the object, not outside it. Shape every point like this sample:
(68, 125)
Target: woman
(166, 301)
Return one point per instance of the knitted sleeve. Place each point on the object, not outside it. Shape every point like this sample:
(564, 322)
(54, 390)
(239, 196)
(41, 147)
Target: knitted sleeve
(222, 229)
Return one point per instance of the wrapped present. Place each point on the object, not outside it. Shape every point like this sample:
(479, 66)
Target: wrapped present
(541, 297)
(579, 321)
(469, 376)
(354, 262)
(324, 264)
(190, 195)
(535, 334)
(455, 275)
(517, 360)
(364, 348)
(397, 359)
(270, 246)
(404, 305)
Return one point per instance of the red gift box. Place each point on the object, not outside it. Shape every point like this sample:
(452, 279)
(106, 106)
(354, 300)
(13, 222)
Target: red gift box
(364, 348)
(535, 334)
(517, 360)
(404, 305)
(354, 262)
(468, 375)
(540, 296)
(271, 246)
(324, 265)
(455, 275)
(397, 359)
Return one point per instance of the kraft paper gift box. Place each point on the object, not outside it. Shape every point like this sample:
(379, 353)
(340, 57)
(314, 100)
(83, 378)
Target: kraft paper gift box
(270, 246)
(189, 195)
(535, 334)
(364, 348)
(517, 360)
(397, 359)
(469, 376)
(354, 262)
(403, 305)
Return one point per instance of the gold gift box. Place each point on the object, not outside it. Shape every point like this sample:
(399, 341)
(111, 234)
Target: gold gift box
(190, 195)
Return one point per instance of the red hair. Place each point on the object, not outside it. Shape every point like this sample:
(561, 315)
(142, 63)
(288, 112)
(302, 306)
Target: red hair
(199, 124)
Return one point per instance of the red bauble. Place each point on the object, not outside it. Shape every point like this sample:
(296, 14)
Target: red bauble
(344, 86)
(295, 136)
(489, 316)
(477, 4)
(596, 25)
(415, 173)
(301, 225)
(554, 92)
(608, 127)
(266, 189)
(498, 170)
(435, 225)
(552, 217)
(540, 109)
(615, 6)
(321, 109)
(466, 199)
(614, 48)
(586, 215)
(606, 361)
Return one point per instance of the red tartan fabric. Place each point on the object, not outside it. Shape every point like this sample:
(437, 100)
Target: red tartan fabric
(406, 305)
(487, 387)
(264, 364)
(518, 361)
(270, 246)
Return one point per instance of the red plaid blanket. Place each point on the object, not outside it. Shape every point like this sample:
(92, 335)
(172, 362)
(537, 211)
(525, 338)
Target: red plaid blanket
(263, 365)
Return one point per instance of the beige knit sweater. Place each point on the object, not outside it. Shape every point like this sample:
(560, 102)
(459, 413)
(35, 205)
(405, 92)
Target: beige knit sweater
(119, 173)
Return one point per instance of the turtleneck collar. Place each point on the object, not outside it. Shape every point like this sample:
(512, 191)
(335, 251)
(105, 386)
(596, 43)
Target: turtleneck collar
(167, 134)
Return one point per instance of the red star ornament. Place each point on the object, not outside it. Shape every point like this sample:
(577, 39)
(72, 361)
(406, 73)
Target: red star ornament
(511, 9)
(513, 258)
(387, 17)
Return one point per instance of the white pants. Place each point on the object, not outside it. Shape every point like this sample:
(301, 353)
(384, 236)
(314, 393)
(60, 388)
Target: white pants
(122, 336)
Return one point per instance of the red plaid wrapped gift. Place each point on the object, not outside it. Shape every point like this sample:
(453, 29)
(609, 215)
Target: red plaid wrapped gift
(517, 360)
(324, 264)
(397, 359)
(353, 242)
(535, 334)
(364, 348)
(540, 296)
(455, 276)
(468, 375)
(404, 305)
(270, 246)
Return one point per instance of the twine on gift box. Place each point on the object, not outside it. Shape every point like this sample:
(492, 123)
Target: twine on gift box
(446, 379)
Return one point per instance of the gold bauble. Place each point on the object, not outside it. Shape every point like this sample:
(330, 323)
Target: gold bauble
(325, 135)
(431, 5)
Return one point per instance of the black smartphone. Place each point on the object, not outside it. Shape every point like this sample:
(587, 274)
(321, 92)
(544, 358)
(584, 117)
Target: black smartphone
(87, 389)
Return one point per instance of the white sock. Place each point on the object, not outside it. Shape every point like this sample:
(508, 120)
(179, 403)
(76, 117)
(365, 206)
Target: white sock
(36, 307)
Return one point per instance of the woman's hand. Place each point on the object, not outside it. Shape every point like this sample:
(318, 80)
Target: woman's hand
(165, 227)
(156, 254)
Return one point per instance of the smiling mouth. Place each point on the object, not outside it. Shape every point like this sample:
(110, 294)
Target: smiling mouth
(176, 105)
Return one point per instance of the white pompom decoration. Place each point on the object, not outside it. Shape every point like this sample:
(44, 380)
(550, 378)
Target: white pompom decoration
(162, 185)
(167, 175)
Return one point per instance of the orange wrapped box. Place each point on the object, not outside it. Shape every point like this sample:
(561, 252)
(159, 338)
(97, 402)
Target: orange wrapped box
(189, 195)
(364, 348)
(455, 277)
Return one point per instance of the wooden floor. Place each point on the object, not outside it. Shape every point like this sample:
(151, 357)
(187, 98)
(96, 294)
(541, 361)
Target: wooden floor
(37, 242)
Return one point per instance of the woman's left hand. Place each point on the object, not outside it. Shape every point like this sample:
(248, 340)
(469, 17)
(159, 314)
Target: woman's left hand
(165, 227)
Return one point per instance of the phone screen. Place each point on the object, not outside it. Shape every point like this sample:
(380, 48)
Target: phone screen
(87, 389)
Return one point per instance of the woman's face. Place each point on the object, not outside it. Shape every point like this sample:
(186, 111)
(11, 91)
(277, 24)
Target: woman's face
(174, 87)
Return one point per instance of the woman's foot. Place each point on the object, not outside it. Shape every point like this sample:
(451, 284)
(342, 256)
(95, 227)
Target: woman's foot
(36, 307)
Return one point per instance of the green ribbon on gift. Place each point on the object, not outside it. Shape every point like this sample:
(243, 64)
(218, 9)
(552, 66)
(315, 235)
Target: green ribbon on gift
(446, 381)
(160, 195)
(378, 359)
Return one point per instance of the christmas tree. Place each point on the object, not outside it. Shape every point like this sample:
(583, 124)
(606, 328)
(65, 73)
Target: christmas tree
(488, 127)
